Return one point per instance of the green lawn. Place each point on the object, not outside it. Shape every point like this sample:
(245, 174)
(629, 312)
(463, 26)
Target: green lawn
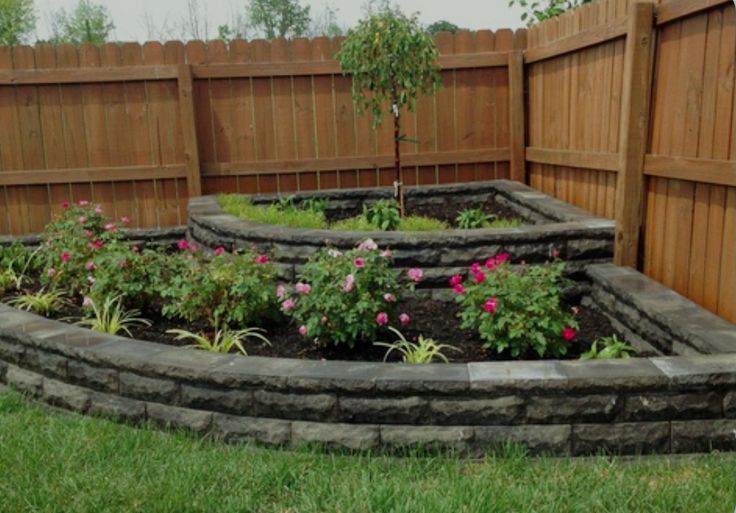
(64, 462)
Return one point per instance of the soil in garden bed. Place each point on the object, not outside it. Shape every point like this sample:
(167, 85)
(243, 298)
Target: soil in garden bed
(431, 318)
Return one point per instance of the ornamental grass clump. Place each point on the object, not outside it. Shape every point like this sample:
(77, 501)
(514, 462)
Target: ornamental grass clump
(342, 298)
(516, 310)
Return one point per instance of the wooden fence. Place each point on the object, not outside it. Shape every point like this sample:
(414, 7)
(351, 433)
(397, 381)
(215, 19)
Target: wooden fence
(626, 109)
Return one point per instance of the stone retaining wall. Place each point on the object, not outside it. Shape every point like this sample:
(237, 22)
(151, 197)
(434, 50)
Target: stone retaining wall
(641, 405)
(578, 238)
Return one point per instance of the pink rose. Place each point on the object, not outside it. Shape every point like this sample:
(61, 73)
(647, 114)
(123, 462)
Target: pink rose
(64, 204)
(183, 244)
(261, 259)
(359, 262)
(90, 266)
(415, 274)
(83, 203)
(323, 320)
(334, 253)
(125, 219)
(502, 257)
(404, 318)
(280, 291)
(87, 302)
(490, 263)
(368, 245)
(456, 280)
(98, 210)
(475, 268)
(303, 330)
(382, 318)
(302, 288)
(110, 227)
(288, 305)
(135, 249)
(65, 256)
(458, 289)
(479, 277)
(82, 219)
(349, 283)
(98, 243)
(219, 251)
(568, 334)
(386, 253)
(490, 305)
(389, 298)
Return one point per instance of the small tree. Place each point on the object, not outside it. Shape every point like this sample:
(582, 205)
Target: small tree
(540, 10)
(442, 26)
(17, 21)
(87, 23)
(278, 18)
(393, 60)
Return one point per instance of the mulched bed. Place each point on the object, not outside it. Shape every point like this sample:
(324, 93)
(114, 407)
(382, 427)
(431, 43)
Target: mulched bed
(431, 318)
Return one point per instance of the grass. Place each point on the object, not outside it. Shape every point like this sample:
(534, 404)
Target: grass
(240, 206)
(56, 462)
(407, 224)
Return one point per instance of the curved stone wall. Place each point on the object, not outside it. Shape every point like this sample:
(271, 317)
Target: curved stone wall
(641, 405)
(579, 238)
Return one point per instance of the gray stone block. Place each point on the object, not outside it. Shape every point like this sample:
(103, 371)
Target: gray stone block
(538, 439)
(624, 438)
(250, 429)
(180, 418)
(347, 436)
(705, 371)
(501, 410)
(11, 351)
(3, 370)
(23, 380)
(456, 438)
(295, 406)
(671, 407)
(703, 435)
(390, 410)
(503, 377)
(622, 374)
(559, 410)
(221, 400)
(48, 364)
(66, 396)
(147, 389)
(102, 379)
(108, 405)
(729, 405)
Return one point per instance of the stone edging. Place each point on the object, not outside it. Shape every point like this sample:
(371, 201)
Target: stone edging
(579, 238)
(650, 405)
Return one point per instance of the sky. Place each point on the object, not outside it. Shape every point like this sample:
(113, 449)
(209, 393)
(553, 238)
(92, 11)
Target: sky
(138, 20)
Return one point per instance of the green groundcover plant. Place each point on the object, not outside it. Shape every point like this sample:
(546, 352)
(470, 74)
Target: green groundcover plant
(515, 310)
(341, 298)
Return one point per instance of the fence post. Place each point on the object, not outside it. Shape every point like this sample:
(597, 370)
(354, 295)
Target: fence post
(517, 132)
(185, 83)
(633, 134)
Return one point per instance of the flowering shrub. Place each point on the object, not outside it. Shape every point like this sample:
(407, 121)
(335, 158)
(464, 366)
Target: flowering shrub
(512, 310)
(344, 297)
(227, 289)
(76, 236)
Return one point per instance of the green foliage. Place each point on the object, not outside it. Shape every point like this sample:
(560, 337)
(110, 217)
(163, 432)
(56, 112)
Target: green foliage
(612, 348)
(223, 341)
(424, 350)
(112, 317)
(442, 26)
(17, 21)
(232, 289)
(516, 310)
(87, 23)
(317, 206)
(504, 223)
(354, 224)
(72, 242)
(392, 60)
(278, 18)
(16, 263)
(472, 218)
(540, 10)
(342, 298)
(383, 214)
(241, 206)
(42, 302)
(421, 224)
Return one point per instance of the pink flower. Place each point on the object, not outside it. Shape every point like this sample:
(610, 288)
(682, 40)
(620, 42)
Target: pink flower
(183, 244)
(349, 283)
(98, 210)
(475, 268)
(302, 288)
(404, 318)
(323, 320)
(334, 253)
(479, 277)
(261, 259)
(458, 289)
(359, 262)
(490, 305)
(65, 256)
(288, 305)
(368, 245)
(568, 334)
(490, 263)
(386, 253)
(502, 257)
(389, 298)
(87, 302)
(88, 233)
(219, 251)
(554, 253)
(415, 274)
(90, 266)
(193, 247)
(110, 227)
(82, 219)
(135, 249)
(51, 272)
(125, 219)
(280, 291)
(98, 243)
(456, 280)
(382, 318)
(91, 280)
(65, 204)
(83, 203)
(303, 330)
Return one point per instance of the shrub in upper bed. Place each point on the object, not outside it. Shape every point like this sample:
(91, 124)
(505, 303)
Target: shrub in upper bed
(472, 218)
(610, 348)
(342, 298)
(16, 262)
(72, 241)
(227, 289)
(383, 214)
(515, 310)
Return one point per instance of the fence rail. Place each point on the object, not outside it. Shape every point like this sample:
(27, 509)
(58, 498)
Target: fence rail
(624, 108)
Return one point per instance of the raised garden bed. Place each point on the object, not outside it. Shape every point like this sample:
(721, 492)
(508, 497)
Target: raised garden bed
(553, 227)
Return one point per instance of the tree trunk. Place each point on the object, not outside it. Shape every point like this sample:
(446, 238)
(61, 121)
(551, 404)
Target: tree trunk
(398, 186)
